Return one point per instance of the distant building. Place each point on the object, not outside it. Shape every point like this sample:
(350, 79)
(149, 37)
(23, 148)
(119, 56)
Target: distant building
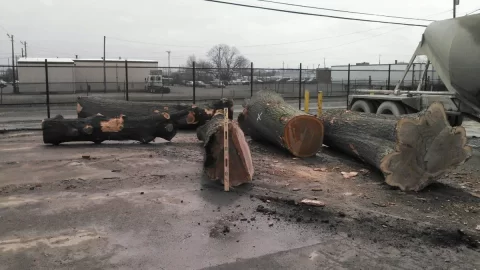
(77, 75)
(378, 74)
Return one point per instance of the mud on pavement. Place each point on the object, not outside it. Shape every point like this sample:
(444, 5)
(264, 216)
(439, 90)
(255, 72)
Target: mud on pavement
(127, 205)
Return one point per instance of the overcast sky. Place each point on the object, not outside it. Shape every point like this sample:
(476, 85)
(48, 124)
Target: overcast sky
(146, 29)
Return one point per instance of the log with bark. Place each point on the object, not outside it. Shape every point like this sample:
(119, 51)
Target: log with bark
(195, 117)
(240, 159)
(269, 118)
(99, 128)
(411, 151)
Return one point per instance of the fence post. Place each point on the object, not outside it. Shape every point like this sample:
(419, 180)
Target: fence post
(389, 70)
(193, 68)
(126, 80)
(307, 101)
(300, 88)
(47, 88)
(348, 86)
(251, 79)
(319, 103)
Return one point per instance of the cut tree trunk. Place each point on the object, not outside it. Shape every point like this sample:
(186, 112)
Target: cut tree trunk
(268, 117)
(240, 159)
(99, 128)
(411, 151)
(195, 116)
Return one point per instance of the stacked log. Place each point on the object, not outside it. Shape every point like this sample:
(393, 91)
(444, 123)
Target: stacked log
(239, 160)
(411, 151)
(267, 117)
(196, 115)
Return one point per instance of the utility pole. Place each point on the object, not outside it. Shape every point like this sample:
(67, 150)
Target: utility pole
(169, 62)
(104, 71)
(13, 65)
(22, 52)
(24, 43)
(455, 4)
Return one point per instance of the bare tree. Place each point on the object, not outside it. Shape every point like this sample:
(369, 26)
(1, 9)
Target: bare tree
(192, 58)
(226, 60)
(200, 63)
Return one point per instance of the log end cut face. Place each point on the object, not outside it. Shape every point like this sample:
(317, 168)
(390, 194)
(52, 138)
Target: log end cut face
(426, 148)
(303, 135)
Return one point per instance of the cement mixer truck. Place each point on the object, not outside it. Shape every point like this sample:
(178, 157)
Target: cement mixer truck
(453, 48)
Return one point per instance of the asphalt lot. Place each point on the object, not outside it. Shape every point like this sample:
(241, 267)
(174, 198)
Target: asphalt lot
(131, 206)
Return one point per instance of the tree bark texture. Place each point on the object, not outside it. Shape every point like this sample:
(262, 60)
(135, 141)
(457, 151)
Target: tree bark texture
(268, 117)
(195, 116)
(411, 151)
(240, 159)
(99, 128)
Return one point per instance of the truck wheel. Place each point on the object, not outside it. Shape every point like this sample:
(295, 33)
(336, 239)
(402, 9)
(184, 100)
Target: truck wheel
(363, 106)
(455, 120)
(389, 107)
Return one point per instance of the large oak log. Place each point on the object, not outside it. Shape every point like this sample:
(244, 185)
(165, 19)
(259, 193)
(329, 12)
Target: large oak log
(240, 159)
(195, 117)
(268, 117)
(411, 151)
(99, 128)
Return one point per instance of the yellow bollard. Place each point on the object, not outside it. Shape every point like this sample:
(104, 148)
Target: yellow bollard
(320, 103)
(307, 100)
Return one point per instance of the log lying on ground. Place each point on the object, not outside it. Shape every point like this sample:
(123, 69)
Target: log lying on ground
(268, 117)
(240, 159)
(195, 117)
(99, 128)
(412, 151)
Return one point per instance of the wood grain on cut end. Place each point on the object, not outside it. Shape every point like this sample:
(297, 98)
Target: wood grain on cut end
(243, 151)
(303, 135)
(426, 147)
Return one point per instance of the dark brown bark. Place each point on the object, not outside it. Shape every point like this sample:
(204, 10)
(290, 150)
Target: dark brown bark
(240, 159)
(268, 117)
(412, 151)
(195, 116)
(99, 128)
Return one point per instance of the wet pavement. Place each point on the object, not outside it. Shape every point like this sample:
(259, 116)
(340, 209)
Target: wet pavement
(132, 206)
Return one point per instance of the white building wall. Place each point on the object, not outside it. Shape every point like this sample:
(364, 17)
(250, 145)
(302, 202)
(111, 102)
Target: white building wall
(31, 75)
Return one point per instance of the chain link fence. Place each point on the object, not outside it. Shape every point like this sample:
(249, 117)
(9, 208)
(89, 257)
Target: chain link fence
(55, 83)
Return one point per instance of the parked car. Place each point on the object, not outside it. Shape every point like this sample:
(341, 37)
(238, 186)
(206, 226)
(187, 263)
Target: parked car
(257, 81)
(245, 83)
(200, 84)
(217, 83)
(189, 83)
(235, 82)
(311, 80)
(3, 84)
(282, 80)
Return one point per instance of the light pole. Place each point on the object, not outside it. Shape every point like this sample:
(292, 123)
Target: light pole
(24, 43)
(13, 65)
(169, 62)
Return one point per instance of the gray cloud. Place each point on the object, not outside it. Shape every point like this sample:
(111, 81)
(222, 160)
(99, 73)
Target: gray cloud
(146, 29)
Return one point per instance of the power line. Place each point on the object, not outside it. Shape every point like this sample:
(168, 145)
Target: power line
(4, 28)
(473, 11)
(346, 11)
(310, 40)
(312, 14)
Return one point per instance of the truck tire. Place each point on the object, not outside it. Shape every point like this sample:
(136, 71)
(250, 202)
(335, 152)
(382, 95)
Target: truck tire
(363, 106)
(390, 107)
(455, 120)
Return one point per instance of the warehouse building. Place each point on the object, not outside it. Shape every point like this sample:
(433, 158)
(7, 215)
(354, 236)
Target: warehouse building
(79, 75)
